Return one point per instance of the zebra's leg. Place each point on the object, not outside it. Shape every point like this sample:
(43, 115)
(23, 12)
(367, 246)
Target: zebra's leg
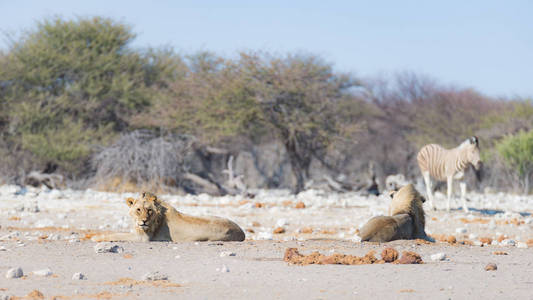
(450, 190)
(427, 180)
(463, 195)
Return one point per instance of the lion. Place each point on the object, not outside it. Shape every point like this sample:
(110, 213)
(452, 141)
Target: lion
(156, 220)
(406, 220)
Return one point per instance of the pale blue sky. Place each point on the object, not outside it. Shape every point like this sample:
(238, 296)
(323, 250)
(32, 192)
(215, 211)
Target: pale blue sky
(487, 45)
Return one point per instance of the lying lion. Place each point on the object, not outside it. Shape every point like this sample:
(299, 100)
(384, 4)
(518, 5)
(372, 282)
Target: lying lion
(406, 222)
(156, 220)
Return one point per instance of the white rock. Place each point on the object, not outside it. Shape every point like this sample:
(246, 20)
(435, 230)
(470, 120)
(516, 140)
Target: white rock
(79, 276)
(472, 236)
(44, 223)
(14, 273)
(177, 257)
(108, 247)
(2, 248)
(282, 222)
(508, 242)
(224, 269)
(265, 235)
(227, 253)
(44, 272)
(153, 276)
(494, 243)
(521, 245)
(438, 256)
(477, 243)
(460, 230)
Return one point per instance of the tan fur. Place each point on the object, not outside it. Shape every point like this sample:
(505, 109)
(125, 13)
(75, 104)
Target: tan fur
(406, 220)
(155, 220)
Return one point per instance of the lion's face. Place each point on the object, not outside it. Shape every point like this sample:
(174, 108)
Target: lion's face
(145, 211)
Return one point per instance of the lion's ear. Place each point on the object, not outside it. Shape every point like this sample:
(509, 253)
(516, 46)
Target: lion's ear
(423, 199)
(130, 201)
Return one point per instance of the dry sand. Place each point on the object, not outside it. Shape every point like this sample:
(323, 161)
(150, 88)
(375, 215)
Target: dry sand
(55, 237)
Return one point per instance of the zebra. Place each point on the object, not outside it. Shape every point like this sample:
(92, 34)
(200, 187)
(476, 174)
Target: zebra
(448, 164)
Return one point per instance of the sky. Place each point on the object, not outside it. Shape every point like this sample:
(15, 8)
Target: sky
(485, 45)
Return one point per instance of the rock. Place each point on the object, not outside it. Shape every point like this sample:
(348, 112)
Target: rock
(44, 272)
(438, 256)
(2, 248)
(79, 276)
(227, 253)
(108, 247)
(224, 269)
(389, 255)
(5, 297)
(460, 230)
(409, 257)
(299, 205)
(264, 236)
(14, 273)
(491, 267)
(279, 230)
(521, 245)
(282, 222)
(154, 276)
(508, 242)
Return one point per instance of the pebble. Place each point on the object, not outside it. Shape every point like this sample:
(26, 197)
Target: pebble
(224, 269)
(491, 267)
(508, 242)
(460, 230)
(438, 256)
(79, 276)
(14, 273)
(227, 253)
(44, 272)
(521, 245)
(153, 276)
(281, 223)
(108, 247)
(265, 236)
(2, 248)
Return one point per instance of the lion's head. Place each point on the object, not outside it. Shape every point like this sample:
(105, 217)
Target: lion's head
(146, 212)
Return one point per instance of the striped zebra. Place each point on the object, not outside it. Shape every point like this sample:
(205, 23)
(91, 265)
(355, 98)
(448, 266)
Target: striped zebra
(448, 164)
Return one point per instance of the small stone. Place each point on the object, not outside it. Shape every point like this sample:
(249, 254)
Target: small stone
(44, 272)
(14, 273)
(521, 245)
(227, 253)
(224, 269)
(282, 222)
(460, 230)
(491, 267)
(108, 247)
(2, 248)
(154, 276)
(508, 242)
(79, 276)
(279, 230)
(438, 256)
(177, 257)
(264, 236)
(5, 297)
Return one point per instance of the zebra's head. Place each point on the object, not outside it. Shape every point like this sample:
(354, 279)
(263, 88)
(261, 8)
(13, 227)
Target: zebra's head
(472, 152)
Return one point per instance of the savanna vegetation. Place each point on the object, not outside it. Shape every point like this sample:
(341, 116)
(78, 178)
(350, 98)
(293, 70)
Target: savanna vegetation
(75, 95)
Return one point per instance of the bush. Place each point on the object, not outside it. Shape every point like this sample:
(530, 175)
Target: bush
(517, 151)
(142, 159)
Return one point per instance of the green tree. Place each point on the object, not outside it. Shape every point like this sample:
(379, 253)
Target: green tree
(69, 84)
(517, 151)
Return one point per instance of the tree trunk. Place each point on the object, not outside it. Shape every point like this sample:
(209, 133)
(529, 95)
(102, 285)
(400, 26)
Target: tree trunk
(526, 182)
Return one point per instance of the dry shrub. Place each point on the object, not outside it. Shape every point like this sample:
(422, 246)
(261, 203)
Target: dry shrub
(491, 267)
(500, 253)
(142, 159)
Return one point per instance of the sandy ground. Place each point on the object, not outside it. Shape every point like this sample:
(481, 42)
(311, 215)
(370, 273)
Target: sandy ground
(49, 229)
